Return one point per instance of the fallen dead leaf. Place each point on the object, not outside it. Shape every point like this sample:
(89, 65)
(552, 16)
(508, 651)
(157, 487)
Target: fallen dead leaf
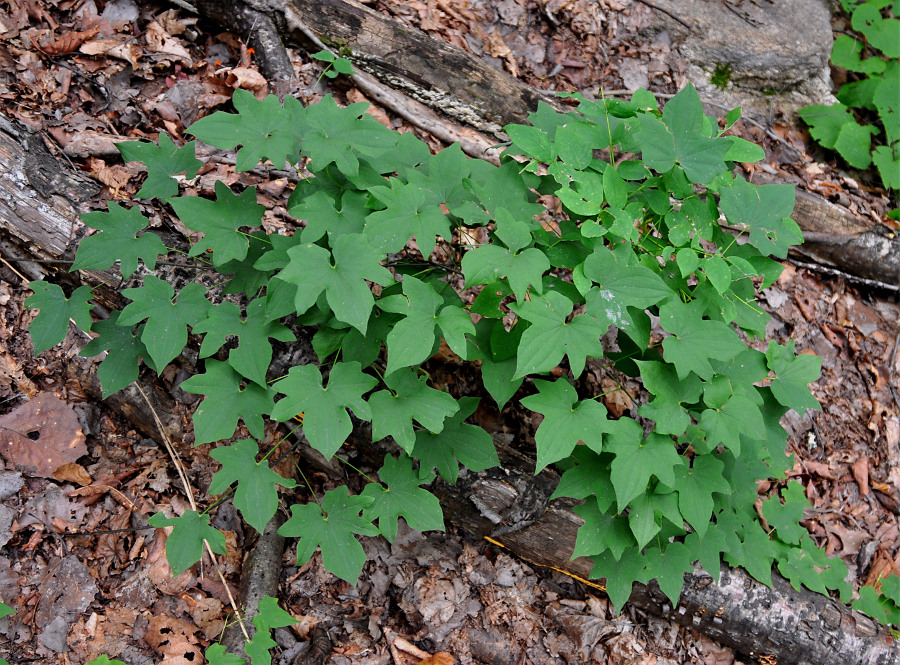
(440, 658)
(249, 79)
(114, 49)
(41, 435)
(860, 471)
(67, 42)
(72, 472)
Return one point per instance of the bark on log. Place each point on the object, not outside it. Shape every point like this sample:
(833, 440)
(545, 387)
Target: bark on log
(795, 627)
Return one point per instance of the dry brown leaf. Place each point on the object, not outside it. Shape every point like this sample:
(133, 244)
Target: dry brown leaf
(10, 369)
(860, 471)
(114, 49)
(67, 42)
(440, 658)
(41, 435)
(72, 472)
(249, 79)
(160, 41)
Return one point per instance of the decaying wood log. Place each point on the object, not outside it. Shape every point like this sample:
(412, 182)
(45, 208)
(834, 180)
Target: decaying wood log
(511, 505)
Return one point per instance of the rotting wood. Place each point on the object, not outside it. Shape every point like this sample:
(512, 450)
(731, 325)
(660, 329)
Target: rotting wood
(794, 627)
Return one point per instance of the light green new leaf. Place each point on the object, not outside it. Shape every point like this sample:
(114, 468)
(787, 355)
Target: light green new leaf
(566, 421)
(165, 333)
(216, 655)
(226, 402)
(344, 282)
(332, 527)
(825, 122)
(854, 143)
(695, 488)
(253, 354)
(887, 161)
(120, 367)
(785, 517)
(876, 605)
(51, 324)
(256, 496)
(637, 460)
(809, 566)
(695, 341)
(118, 240)
(533, 142)
(846, 53)
(325, 420)
(99, 660)
(469, 444)
(184, 546)
(408, 398)
(793, 374)
(549, 337)
(412, 338)
(220, 221)
(742, 150)
(162, 162)
(403, 497)
(6, 610)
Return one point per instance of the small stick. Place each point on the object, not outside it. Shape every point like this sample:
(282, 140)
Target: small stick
(666, 12)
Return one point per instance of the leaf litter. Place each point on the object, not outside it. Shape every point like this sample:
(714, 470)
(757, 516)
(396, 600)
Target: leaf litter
(89, 79)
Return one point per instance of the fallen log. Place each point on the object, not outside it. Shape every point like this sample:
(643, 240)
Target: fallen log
(773, 625)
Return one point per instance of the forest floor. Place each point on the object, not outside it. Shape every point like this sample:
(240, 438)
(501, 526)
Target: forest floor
(77, 562)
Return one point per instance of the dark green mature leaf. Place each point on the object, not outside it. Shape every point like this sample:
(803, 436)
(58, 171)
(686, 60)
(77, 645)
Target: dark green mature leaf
(162, 162)
(268, 616)
(695, 486)
(412, 210)
(668, 568)
(412, 339)
(566, 421)
(165, 333)
(549, 337)
(51, 324)
(253, 354)
(589, 476)
(489, 264)
(620, 573)
(256, 496)
(765, 210)
(332, 527)
(322, 216)
(216, 655)
(226, 402)
(497, 370)
(184, 546)
(403, 497)
(793, 374)
(120, 367)
(878, 606)
(637, 460)
(785, 517)
(809, 566)
(262, 127)
(118, 240)
(695, 341)
(469, 444)
(854, 143)
(846, 53)
(344, 282)
(602, 532)
(325, 420)
(220, 221)
(406, 399)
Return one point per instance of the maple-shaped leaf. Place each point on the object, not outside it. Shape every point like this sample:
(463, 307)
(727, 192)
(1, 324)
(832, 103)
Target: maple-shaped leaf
(184, 546)
(668, 568)
(412, 339)
(766, 211)
(694, 340)
(497, 369)
(601, 532)
(216, 655)
(162, 161)
(331, 527)
(695, 486)
(256, 496)
(410, 211)
(489, 264)
(262, 127)
(338, 135)
(589, 477)
(253, 354)
(220, 222)
(566, 421)
(51, 324)
(785, 517)
(322, 216)
(740, 414)
(227, 402)
(343, 282)
(403, 497)
(6, 610)
(621, 573)
(708, 550)
(268, 616)
(637, 460)
(118, 240)
(125, 349)
(793, 374)
(325, 421)
(679, 138)
(809, 566)
(406, 399)
(165, 333)
(469, 444)
(549, 337)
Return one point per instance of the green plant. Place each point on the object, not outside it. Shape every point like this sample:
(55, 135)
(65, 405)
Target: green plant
(336, 65)
(721, 76)
(628, 267)
(874, 99)
(5, 610)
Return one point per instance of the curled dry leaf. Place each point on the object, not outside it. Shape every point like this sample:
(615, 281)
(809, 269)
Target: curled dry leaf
(440, 658)
(40, 436)
(72, 472)
(67, 42)
(114, 49)
(248, 79)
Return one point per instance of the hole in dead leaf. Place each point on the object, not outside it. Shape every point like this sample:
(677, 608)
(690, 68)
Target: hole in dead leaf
(34, 435)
